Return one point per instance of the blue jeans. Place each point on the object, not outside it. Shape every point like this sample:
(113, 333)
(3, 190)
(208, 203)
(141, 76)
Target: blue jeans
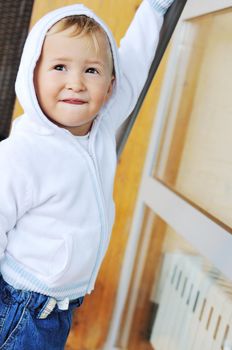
(20, 325)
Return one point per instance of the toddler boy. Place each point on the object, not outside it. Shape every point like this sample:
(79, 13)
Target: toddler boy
(56, 205)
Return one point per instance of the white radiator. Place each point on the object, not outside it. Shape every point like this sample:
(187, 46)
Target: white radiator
(194, 306)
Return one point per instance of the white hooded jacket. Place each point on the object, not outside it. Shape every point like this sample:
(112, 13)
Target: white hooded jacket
(56, 204)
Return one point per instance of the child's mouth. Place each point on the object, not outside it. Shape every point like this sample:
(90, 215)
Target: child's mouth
(74, 101)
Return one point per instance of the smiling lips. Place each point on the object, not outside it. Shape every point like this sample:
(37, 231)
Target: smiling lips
(74, 101)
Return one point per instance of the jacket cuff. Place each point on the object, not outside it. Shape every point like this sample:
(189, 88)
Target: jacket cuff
(160, 6)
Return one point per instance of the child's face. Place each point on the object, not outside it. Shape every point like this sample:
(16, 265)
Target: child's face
(73, 79)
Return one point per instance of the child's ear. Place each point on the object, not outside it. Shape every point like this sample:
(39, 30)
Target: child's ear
(110, 89)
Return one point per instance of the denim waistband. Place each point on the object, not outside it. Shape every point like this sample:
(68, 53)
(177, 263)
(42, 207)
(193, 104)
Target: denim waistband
(37, 302)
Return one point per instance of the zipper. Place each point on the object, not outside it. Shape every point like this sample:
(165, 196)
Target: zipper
(93, 166)
(102, 204)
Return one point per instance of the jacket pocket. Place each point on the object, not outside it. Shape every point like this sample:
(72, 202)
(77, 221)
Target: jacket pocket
(60, 261)
(49, 259)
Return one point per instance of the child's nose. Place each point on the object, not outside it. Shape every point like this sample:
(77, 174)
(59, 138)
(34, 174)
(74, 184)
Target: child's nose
(75, 83)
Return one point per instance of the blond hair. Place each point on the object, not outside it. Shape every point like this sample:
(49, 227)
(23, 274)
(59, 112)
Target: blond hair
(82, 25)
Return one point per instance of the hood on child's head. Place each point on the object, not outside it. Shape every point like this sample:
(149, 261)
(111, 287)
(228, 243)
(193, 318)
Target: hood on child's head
(24, 86)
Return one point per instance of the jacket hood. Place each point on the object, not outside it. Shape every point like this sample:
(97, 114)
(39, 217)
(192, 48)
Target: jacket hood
(24, 86)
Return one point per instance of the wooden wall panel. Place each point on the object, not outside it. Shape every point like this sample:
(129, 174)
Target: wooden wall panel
(91, 322)
(195, 158)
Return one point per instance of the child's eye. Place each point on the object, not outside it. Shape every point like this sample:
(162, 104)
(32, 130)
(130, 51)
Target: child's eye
(92, 70)
(59, 67)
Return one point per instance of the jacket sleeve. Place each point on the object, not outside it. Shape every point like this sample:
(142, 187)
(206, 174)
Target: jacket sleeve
(136, 53)
(15, 195)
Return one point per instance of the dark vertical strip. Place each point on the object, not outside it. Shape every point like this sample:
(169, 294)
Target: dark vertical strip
(14, 22)
(170, 20)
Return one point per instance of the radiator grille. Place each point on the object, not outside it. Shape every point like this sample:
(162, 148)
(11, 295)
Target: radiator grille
(194, 306)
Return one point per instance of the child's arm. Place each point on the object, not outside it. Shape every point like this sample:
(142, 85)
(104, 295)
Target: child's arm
(136, 53)
(15, 194)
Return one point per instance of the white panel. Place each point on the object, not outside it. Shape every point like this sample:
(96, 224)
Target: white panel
(196, 8)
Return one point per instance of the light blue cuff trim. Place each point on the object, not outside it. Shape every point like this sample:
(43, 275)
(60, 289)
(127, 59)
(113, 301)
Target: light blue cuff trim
(161, 5)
